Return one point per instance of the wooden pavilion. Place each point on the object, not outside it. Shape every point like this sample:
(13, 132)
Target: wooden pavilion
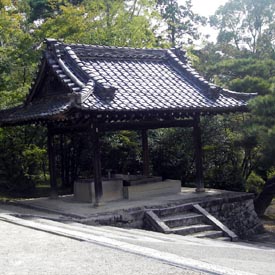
(97, 89)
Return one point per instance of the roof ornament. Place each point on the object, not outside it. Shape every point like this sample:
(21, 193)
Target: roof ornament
(104, 91)
(237, 95)
(213, 91)
(70, 74)
(181, 54)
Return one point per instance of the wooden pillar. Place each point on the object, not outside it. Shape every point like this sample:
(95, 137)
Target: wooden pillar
(198, 154)
(52, 163)
(61, 140)
(145, 152)
(97, 165)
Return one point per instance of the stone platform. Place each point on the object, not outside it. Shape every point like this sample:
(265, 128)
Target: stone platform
(234, 209)
(68, 205)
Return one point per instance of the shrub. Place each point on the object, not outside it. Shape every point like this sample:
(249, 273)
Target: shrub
(254, 183)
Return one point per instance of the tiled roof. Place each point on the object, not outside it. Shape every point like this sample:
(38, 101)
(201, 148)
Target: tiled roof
(139, 79)
(43, 109)
(109, 79)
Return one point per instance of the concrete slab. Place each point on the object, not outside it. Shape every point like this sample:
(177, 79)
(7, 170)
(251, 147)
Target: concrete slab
(67, 205)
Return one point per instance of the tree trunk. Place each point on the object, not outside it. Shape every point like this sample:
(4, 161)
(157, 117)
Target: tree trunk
(264, 199)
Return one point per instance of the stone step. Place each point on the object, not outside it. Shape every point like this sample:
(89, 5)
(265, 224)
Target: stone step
(174, 210)
(213, 234)
(191, 229)
(188, 218)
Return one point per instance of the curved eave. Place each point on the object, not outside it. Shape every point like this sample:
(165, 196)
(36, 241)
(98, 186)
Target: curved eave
(36, 113)
(13, 119)
(62, 116)
(33, 120)
(237, 95)
(186, 111)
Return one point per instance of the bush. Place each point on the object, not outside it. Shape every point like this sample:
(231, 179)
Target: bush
(22, 158)
(254, 183)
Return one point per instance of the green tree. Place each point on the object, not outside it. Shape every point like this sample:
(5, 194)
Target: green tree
(70, 25)
(123, 23)
(241, 74)
(182, 23)
(242, 60)
(42, 9)
(246, 24)
(17, 61)
(263, 112)
(104, 22)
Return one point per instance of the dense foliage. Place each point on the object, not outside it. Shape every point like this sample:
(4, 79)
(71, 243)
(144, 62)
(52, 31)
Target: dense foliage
(238, 148)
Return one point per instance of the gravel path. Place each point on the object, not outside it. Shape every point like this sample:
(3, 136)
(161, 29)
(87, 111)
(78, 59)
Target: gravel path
(26, 251)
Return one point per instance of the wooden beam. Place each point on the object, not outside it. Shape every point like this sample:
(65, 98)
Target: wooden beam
(143, 125)
(198, 154)
(133, 125)
(52, 163)
(145, 152)
(97, 165)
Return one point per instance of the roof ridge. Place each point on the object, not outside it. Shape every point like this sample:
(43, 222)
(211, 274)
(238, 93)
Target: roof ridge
(103, 51)
(54, 42)
(112, 47)
(67, 71)
(93, 85)
(211, 89)
(177, 54)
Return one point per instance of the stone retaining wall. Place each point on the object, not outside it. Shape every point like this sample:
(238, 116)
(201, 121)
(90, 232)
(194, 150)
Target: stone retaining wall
(235, 211)
(239, 216)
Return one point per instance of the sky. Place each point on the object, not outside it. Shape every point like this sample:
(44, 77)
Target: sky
(205, 7)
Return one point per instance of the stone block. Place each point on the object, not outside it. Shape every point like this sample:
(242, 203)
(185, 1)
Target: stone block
(84, 190)
(152, 189)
